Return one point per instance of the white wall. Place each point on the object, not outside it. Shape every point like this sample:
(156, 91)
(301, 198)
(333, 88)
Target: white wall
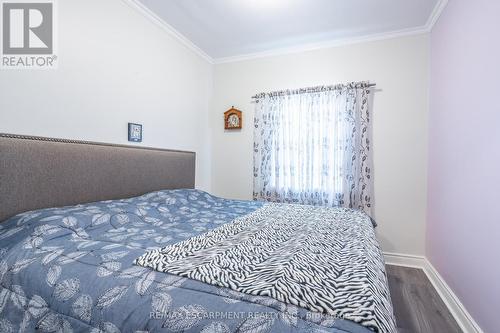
(399, 67)
(115, 67)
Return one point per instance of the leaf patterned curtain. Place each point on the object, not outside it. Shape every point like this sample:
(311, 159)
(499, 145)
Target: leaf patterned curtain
(312, 146)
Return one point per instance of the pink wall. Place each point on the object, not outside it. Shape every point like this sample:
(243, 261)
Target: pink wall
(463, 226)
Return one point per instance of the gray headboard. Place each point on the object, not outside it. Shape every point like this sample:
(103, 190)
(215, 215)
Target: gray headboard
(38, 172)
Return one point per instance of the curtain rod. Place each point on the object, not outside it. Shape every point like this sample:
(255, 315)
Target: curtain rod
(351, 85)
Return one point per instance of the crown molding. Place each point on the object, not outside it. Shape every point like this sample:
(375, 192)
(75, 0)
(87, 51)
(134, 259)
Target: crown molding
(324, 45)
(141, 8)
(427, 28)
(436, 13)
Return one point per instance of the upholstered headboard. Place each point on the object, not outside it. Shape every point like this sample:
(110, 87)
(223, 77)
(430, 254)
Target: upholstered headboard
(38, 172)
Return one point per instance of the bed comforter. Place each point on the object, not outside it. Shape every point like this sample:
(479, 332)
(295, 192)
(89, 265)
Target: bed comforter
(71, 270)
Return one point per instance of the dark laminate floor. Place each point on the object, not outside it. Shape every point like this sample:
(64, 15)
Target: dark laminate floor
(417, 305)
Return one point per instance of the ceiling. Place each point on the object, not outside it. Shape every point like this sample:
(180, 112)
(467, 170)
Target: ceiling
(227, 29)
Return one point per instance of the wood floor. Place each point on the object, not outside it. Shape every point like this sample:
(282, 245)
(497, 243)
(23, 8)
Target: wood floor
(417, 305)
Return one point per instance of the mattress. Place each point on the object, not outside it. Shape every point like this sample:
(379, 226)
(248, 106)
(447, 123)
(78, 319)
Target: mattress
(72, 269)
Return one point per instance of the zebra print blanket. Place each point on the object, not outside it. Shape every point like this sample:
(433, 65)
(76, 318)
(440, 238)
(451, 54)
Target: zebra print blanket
(323, 259)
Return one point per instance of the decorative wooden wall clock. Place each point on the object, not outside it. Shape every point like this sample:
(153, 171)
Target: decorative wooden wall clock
(232, 119)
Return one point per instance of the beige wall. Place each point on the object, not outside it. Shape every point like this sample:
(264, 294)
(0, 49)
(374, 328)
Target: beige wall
(399, 67)
(115, 67)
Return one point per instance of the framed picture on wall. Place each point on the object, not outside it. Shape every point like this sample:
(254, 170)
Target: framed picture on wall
(134, 132)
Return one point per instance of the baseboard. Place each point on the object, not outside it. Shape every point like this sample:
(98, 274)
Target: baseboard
(456, 308)
(405, 260)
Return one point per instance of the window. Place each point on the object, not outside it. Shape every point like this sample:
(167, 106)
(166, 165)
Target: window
(312, 146)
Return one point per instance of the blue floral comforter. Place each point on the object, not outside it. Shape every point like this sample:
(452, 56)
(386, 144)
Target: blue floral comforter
(71, 270)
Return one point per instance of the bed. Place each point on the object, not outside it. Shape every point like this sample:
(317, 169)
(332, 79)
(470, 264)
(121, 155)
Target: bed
(75, 257)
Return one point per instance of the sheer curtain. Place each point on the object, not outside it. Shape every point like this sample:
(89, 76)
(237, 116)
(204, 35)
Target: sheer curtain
(312, 146)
